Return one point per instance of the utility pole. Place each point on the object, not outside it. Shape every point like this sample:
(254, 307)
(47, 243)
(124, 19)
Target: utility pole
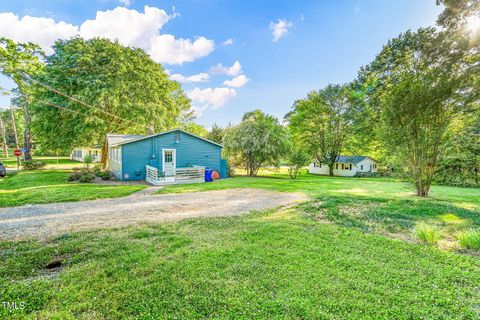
(27, 156)
(4, 135)
(14, 123)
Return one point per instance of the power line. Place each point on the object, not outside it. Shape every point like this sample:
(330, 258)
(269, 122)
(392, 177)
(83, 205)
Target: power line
(66, 109)
(76, 100)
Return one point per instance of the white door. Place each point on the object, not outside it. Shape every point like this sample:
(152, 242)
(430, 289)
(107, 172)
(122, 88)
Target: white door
(168, 162)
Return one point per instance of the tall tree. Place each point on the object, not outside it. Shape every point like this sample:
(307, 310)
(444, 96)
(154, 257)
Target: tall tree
(416, 81)
(196, 129)
(321, 122)
(14, 126)
(259, 140)
(216, 134)
(461, 163)
(17, 61)
(92, 87)
(4, 134)
(457, 12)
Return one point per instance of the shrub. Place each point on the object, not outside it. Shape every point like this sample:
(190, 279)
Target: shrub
(75, 176)
(296, 159)
(427, 234)
(105, 175)
(87, 161)
(33, 164)
(97, 168)
(230, 171)
(470, 239)
(83, 176)
(86, 178)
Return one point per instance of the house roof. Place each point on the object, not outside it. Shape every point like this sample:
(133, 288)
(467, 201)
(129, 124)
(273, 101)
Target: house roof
(352, 159)
(160, 134)
(116, 138)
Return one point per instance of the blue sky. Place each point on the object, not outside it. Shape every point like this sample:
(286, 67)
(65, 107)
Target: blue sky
(284, 48)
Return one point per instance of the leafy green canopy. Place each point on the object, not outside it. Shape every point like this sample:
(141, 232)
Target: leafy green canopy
(126, 91)
(417, 80)
(259, 140)
(321, 123)
(16, 61)
(216, 133)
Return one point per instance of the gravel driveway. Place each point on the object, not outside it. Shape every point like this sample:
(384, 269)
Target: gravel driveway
(46, 220)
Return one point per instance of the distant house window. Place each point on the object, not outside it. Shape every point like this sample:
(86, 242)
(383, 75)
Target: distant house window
(350, 166)
(343, 166)
(336, 166)
(361, 167)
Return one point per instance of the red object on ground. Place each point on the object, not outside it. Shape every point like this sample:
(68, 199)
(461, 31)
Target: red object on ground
(215, 175)
(17, 153)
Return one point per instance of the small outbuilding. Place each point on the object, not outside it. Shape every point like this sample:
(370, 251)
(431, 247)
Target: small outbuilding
(170, 157)
(347, 166)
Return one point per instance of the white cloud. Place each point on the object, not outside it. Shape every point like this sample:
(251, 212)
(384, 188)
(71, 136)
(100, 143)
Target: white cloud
(130, 27)
(213, 97)
(126, 3)
(43, 31)
(165, 48)
(228, 42)
(198, 110)
(233, 71)
(280, 29)
(237, 82)
(201, 77)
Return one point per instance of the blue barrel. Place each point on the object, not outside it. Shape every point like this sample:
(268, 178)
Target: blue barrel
(208, 175)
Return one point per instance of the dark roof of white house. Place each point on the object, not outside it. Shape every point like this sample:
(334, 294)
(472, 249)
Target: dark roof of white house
(159, 134)
(116, 138)
(352, 159)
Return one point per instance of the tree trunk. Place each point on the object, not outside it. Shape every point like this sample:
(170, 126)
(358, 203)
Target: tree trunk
(330, 169)
(27, 137)
(104, 158)
(4, 135)
(422, 188)
(14, 124)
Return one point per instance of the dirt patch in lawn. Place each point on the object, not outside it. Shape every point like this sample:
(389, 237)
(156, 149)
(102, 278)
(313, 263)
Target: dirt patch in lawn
(47, 220)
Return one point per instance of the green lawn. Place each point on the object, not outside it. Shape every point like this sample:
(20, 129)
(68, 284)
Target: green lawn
(381, 205)
(362, 188)
(261, 266)
(348, 253)
(47, 186)
(52, 162)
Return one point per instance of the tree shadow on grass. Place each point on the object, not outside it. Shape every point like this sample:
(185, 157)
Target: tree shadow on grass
(392, 217)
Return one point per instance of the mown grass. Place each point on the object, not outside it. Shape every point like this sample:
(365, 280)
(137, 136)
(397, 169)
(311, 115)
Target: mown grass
(351, 252)
(380, 205)
(259, 266)
(46, 186)
(52, 162)
(360, 188)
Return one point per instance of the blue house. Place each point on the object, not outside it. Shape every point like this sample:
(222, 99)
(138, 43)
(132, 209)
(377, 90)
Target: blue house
(170, 157)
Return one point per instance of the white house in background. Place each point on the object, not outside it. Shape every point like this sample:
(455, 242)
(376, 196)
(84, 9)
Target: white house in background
(78, 154)
(347, 166)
